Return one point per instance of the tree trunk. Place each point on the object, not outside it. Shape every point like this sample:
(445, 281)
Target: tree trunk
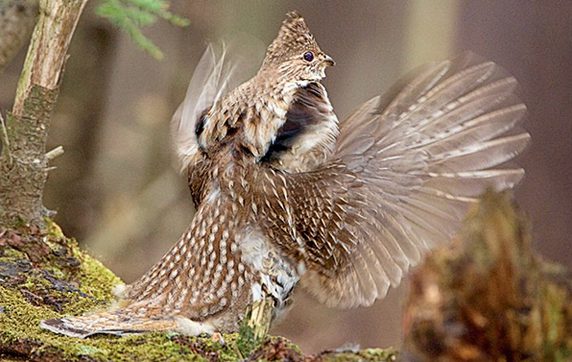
(24, 161)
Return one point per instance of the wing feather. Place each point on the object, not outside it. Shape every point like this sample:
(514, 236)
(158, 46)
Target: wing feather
(217, 72)
(405, 168)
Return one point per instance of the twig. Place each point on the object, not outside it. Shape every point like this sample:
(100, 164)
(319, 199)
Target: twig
(56, 152)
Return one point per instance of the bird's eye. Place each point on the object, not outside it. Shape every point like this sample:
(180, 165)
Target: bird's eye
(308, 56)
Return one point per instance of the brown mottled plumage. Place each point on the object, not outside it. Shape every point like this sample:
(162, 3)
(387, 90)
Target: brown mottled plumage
(285, 196)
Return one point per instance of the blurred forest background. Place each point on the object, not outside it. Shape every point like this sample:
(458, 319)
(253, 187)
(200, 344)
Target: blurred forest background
(116, 188)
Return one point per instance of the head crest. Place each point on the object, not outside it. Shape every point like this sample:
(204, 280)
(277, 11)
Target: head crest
(293, 37)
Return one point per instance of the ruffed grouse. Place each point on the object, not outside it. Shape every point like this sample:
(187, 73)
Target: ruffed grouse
(286, 195)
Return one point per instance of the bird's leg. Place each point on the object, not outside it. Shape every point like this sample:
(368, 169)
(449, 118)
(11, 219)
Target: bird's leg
(260, 316)
(218, 338)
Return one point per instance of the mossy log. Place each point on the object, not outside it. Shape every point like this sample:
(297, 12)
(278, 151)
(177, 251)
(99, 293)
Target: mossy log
(45, 275)
(489, 297)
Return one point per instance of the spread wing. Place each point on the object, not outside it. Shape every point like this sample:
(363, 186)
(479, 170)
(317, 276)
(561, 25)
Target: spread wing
(405, 168)
(215, 75)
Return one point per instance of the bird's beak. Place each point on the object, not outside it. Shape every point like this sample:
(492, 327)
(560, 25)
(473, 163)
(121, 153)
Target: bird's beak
(328, 60)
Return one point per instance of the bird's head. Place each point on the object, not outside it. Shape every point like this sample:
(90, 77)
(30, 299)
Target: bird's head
(294, 54)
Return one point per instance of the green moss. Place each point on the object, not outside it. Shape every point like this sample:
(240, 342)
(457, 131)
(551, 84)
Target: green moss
(30, 293)
(20, 322)
(67, 281)
(246, 341)
(370, 354)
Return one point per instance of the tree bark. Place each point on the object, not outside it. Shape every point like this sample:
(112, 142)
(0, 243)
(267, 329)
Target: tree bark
(24, 162)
